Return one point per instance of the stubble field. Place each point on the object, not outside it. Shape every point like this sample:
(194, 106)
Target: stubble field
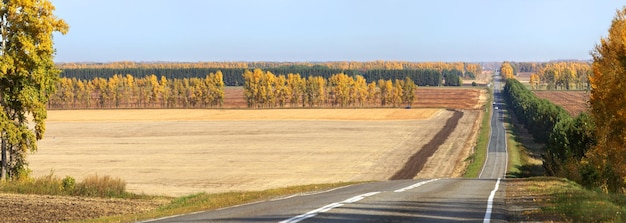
(178, 152)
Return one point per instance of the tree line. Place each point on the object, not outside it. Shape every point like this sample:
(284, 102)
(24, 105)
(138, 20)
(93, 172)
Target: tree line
(588, 148)
(568, 140)
(233, 77)
(263, 89)
(467, 68)
(562, 75)
(148, 92)
(533, 67)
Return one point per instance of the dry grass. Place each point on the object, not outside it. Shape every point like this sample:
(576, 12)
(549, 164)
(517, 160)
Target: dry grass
(547, 199)
(179, 152)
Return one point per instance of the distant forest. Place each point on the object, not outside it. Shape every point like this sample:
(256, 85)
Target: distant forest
(423, 74)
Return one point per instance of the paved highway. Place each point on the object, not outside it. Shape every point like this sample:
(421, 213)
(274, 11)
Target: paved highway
(495, 165)
(420, 200)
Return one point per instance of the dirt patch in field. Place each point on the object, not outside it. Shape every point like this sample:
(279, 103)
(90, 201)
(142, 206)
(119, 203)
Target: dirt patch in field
(416, 161)
(458, 146)
(574, 102)
(41, 208)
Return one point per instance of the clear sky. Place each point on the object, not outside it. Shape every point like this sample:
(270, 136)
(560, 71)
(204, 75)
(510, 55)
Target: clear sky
(331, 30)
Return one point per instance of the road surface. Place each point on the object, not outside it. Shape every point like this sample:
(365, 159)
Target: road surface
(419, 200)
(495, 165)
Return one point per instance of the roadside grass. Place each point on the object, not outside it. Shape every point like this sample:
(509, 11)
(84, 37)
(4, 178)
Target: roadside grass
(524, 154)
(205, 202)
(477, 158)
(110, 187)
(91, 186)
(557, 199)
(563, 200)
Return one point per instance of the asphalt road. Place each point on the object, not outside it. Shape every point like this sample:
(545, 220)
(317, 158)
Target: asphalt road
(495, 165)
(420, 200)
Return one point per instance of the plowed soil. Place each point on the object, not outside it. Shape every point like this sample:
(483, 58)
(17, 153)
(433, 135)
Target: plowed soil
(41, 208)
(426, 97)
(574, 102)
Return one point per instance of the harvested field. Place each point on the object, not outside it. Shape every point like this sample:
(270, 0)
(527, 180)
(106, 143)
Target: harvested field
(417, 161)
(450, 158)
(178, 152)
(482, 79)
(456, 98)
(574, 102)
(523, 77)
(426, 97)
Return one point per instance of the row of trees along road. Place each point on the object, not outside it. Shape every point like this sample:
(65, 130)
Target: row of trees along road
(589, 148)
(263, 89)
(148, 92)
(567, 139)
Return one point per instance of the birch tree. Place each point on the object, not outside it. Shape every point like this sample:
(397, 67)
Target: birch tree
(27, 78)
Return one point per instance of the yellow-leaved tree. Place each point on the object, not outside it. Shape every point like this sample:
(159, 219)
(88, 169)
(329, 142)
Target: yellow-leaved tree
(27, 78)
(608, 106)
(506, 70)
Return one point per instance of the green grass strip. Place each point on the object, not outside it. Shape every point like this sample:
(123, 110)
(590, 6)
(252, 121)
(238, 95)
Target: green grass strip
(574, 203)
(477, 159)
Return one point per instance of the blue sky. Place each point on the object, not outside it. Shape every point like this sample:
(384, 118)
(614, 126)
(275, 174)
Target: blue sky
(331, 30)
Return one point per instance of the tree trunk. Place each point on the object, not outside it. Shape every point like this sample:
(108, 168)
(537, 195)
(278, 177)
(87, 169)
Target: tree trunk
(3, 172)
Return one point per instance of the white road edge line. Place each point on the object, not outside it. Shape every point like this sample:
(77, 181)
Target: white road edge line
(415, 185)
(487, 218)
(241, 205)
(329, 207)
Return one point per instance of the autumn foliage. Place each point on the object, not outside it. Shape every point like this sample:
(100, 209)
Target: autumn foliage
(608, 106)
(27, 77)
(263, 89)
(567, 139)
(130, 92)
(473, 68)
(506, 70)
(562, 76)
